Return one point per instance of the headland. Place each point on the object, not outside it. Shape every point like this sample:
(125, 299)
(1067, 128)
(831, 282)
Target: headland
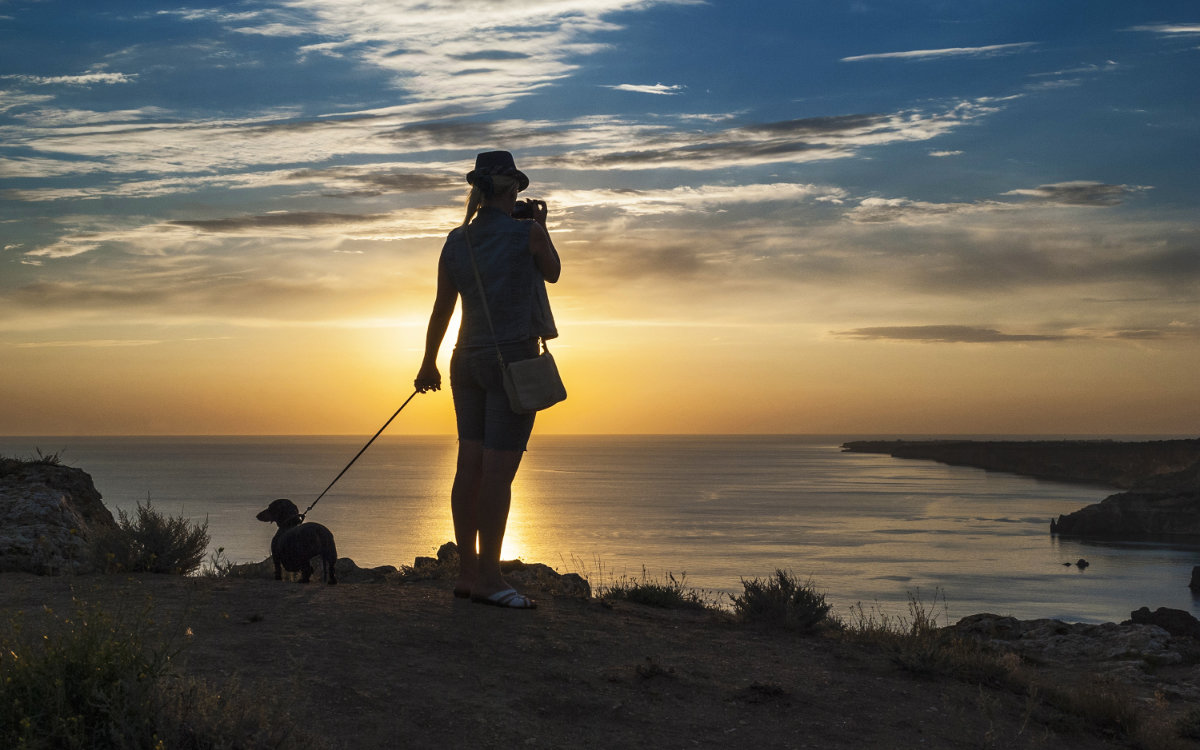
(1161, 479)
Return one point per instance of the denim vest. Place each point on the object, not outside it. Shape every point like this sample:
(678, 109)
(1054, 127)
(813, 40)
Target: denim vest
(515, 288)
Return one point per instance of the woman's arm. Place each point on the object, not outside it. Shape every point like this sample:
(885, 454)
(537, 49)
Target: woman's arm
(428, 378)
(545, 257)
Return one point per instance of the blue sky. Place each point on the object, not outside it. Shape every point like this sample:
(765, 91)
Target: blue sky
(904, 217)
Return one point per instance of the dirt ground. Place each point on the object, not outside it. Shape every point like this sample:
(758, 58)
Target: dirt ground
(377, 665)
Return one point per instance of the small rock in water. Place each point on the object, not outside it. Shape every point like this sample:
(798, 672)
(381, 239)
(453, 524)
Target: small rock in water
(1081, 563)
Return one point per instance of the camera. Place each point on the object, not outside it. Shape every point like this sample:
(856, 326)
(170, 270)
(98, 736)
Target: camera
(526, 209)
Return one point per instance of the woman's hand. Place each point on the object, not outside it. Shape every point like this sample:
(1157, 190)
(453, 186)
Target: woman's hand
(428, 379)
(539, 212)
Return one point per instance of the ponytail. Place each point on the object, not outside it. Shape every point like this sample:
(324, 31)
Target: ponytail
(474, 201)
(484, 187)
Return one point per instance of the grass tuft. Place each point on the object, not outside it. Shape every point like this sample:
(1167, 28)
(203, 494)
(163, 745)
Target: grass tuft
(12, 465)
(668, 593)
(218, 566)
(918, 644)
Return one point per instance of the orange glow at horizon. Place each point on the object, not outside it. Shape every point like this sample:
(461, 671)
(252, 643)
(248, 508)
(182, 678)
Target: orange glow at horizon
(658, 379)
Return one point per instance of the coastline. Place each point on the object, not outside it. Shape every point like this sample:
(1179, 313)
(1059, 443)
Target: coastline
(1161, 479)
(1113, 463)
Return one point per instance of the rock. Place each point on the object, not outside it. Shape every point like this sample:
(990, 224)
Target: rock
(1081, 563)
(48, 515)
(544, 578)
(349, 572)
(1175, 621)
(448, 553)
(988, 626)
(264, 569)
(1195, 583)
(346, 569)
(523, 575)
(1108, 646)
(1139, 514)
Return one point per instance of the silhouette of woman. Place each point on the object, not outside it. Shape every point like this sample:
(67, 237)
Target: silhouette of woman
(515, 259)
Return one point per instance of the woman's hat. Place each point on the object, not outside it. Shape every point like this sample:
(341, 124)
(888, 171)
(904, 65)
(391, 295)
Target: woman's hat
(493, 163)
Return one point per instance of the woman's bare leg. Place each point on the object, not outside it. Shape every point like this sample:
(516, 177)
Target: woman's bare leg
(480, 502)
(464, 507)
(495, 499)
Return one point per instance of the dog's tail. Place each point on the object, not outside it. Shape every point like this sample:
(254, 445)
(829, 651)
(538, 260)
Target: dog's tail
(330, 560)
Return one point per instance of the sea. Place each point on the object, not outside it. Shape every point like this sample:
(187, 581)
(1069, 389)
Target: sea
(874, 534)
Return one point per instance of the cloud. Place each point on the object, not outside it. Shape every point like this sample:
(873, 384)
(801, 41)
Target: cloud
(430, 49)
(658, 88)
(277, 221)
(1108, 67)
(237, 153)
(990, 50)
(10, 100)
(57, 295)
(53, 117)
(378, 179)
(1169, 29)
(690, 199)
(1078, 193)
(65, 248)
(786, 141)
(82, 79)
(493, 54)
(961, 334)
(88, 344)
(1081, 193)
(272, 29)
(945, 334)
(884, 210)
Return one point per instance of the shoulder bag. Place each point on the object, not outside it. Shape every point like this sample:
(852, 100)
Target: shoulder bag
(531, 384)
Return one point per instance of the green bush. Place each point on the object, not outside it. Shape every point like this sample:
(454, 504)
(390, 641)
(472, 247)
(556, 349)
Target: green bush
(781, 602)
(93, 681)
(151, 542)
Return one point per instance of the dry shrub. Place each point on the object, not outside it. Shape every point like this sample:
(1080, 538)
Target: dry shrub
(149, 542)
(781, 602)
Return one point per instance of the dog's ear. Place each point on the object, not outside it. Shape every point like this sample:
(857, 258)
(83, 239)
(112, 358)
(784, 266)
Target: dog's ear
(276, 509)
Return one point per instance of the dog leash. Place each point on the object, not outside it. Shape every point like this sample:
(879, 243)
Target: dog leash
(364, 449)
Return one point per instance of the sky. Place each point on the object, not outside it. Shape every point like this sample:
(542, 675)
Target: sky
(852, 218)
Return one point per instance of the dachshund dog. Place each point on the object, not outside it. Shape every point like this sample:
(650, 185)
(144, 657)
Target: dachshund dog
(296, 542)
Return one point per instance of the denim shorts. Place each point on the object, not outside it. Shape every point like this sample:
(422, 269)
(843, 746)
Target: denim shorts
(480, 402)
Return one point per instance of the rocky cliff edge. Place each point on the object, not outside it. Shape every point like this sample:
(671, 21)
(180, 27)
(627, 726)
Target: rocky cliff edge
(48, 514)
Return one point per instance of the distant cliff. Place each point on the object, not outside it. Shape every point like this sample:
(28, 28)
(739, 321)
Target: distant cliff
(1124, 465)
(1162, 476)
